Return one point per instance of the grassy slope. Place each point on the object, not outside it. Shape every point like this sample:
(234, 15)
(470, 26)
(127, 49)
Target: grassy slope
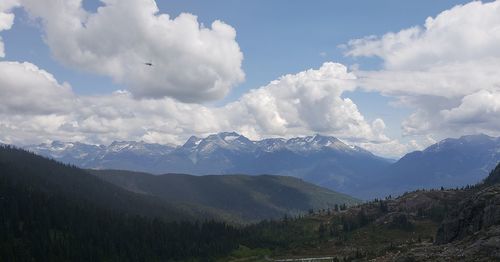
(240, 198)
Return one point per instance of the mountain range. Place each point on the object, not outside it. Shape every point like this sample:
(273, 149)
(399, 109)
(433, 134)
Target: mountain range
(322, 160)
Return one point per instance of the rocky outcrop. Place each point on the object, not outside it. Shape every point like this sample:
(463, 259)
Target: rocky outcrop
(494, 177)
(482, 246)
(470, 230)
(477, 212)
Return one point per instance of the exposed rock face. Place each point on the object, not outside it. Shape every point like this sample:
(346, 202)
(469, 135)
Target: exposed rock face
(494, 177)
(470, 231)
(403, 211)
(427, 200)
(477, 212)
(482, 246)
(485, 244)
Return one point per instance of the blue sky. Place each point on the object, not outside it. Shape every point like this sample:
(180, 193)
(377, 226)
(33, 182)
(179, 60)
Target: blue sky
(276, 38)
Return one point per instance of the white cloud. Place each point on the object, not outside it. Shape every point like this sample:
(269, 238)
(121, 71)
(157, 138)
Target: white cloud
(396, 148)
(26, 89)
(309, 101)
(481, 109)
(442, 70)
(191, 62)
(391, 149)
(6, 19)
(461, 34)
(450, 79)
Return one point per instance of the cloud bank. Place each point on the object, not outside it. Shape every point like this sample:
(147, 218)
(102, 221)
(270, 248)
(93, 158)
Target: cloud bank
(447, 70)
(296, 104)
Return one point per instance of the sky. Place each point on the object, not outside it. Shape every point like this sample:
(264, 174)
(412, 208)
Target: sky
(390, 76)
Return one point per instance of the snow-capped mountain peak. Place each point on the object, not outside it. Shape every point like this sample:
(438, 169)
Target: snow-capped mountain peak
(192, 142)
(316, 143)
(455, 143)
(58, 145)
(86, 155)
(226, 140)
(140, 148)
(118, 146)
(229, 136)
(271, 144)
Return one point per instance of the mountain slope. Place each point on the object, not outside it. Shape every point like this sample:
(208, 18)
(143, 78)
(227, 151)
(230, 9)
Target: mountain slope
(235, 197)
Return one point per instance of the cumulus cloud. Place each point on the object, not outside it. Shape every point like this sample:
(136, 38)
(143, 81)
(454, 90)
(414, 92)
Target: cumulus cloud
(296, 104)
(442, 70)
(481, 109)
(191, 62)
(26, 89)
(463, 33)
(309, 101)
(6, 19)
(450, 79)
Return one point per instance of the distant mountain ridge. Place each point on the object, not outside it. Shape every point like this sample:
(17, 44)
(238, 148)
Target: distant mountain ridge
(119, 154)
(87, 154)
(450, 163)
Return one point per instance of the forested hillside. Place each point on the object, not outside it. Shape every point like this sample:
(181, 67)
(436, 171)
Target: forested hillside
(237, 198)
(48, 212)
(55, 212)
